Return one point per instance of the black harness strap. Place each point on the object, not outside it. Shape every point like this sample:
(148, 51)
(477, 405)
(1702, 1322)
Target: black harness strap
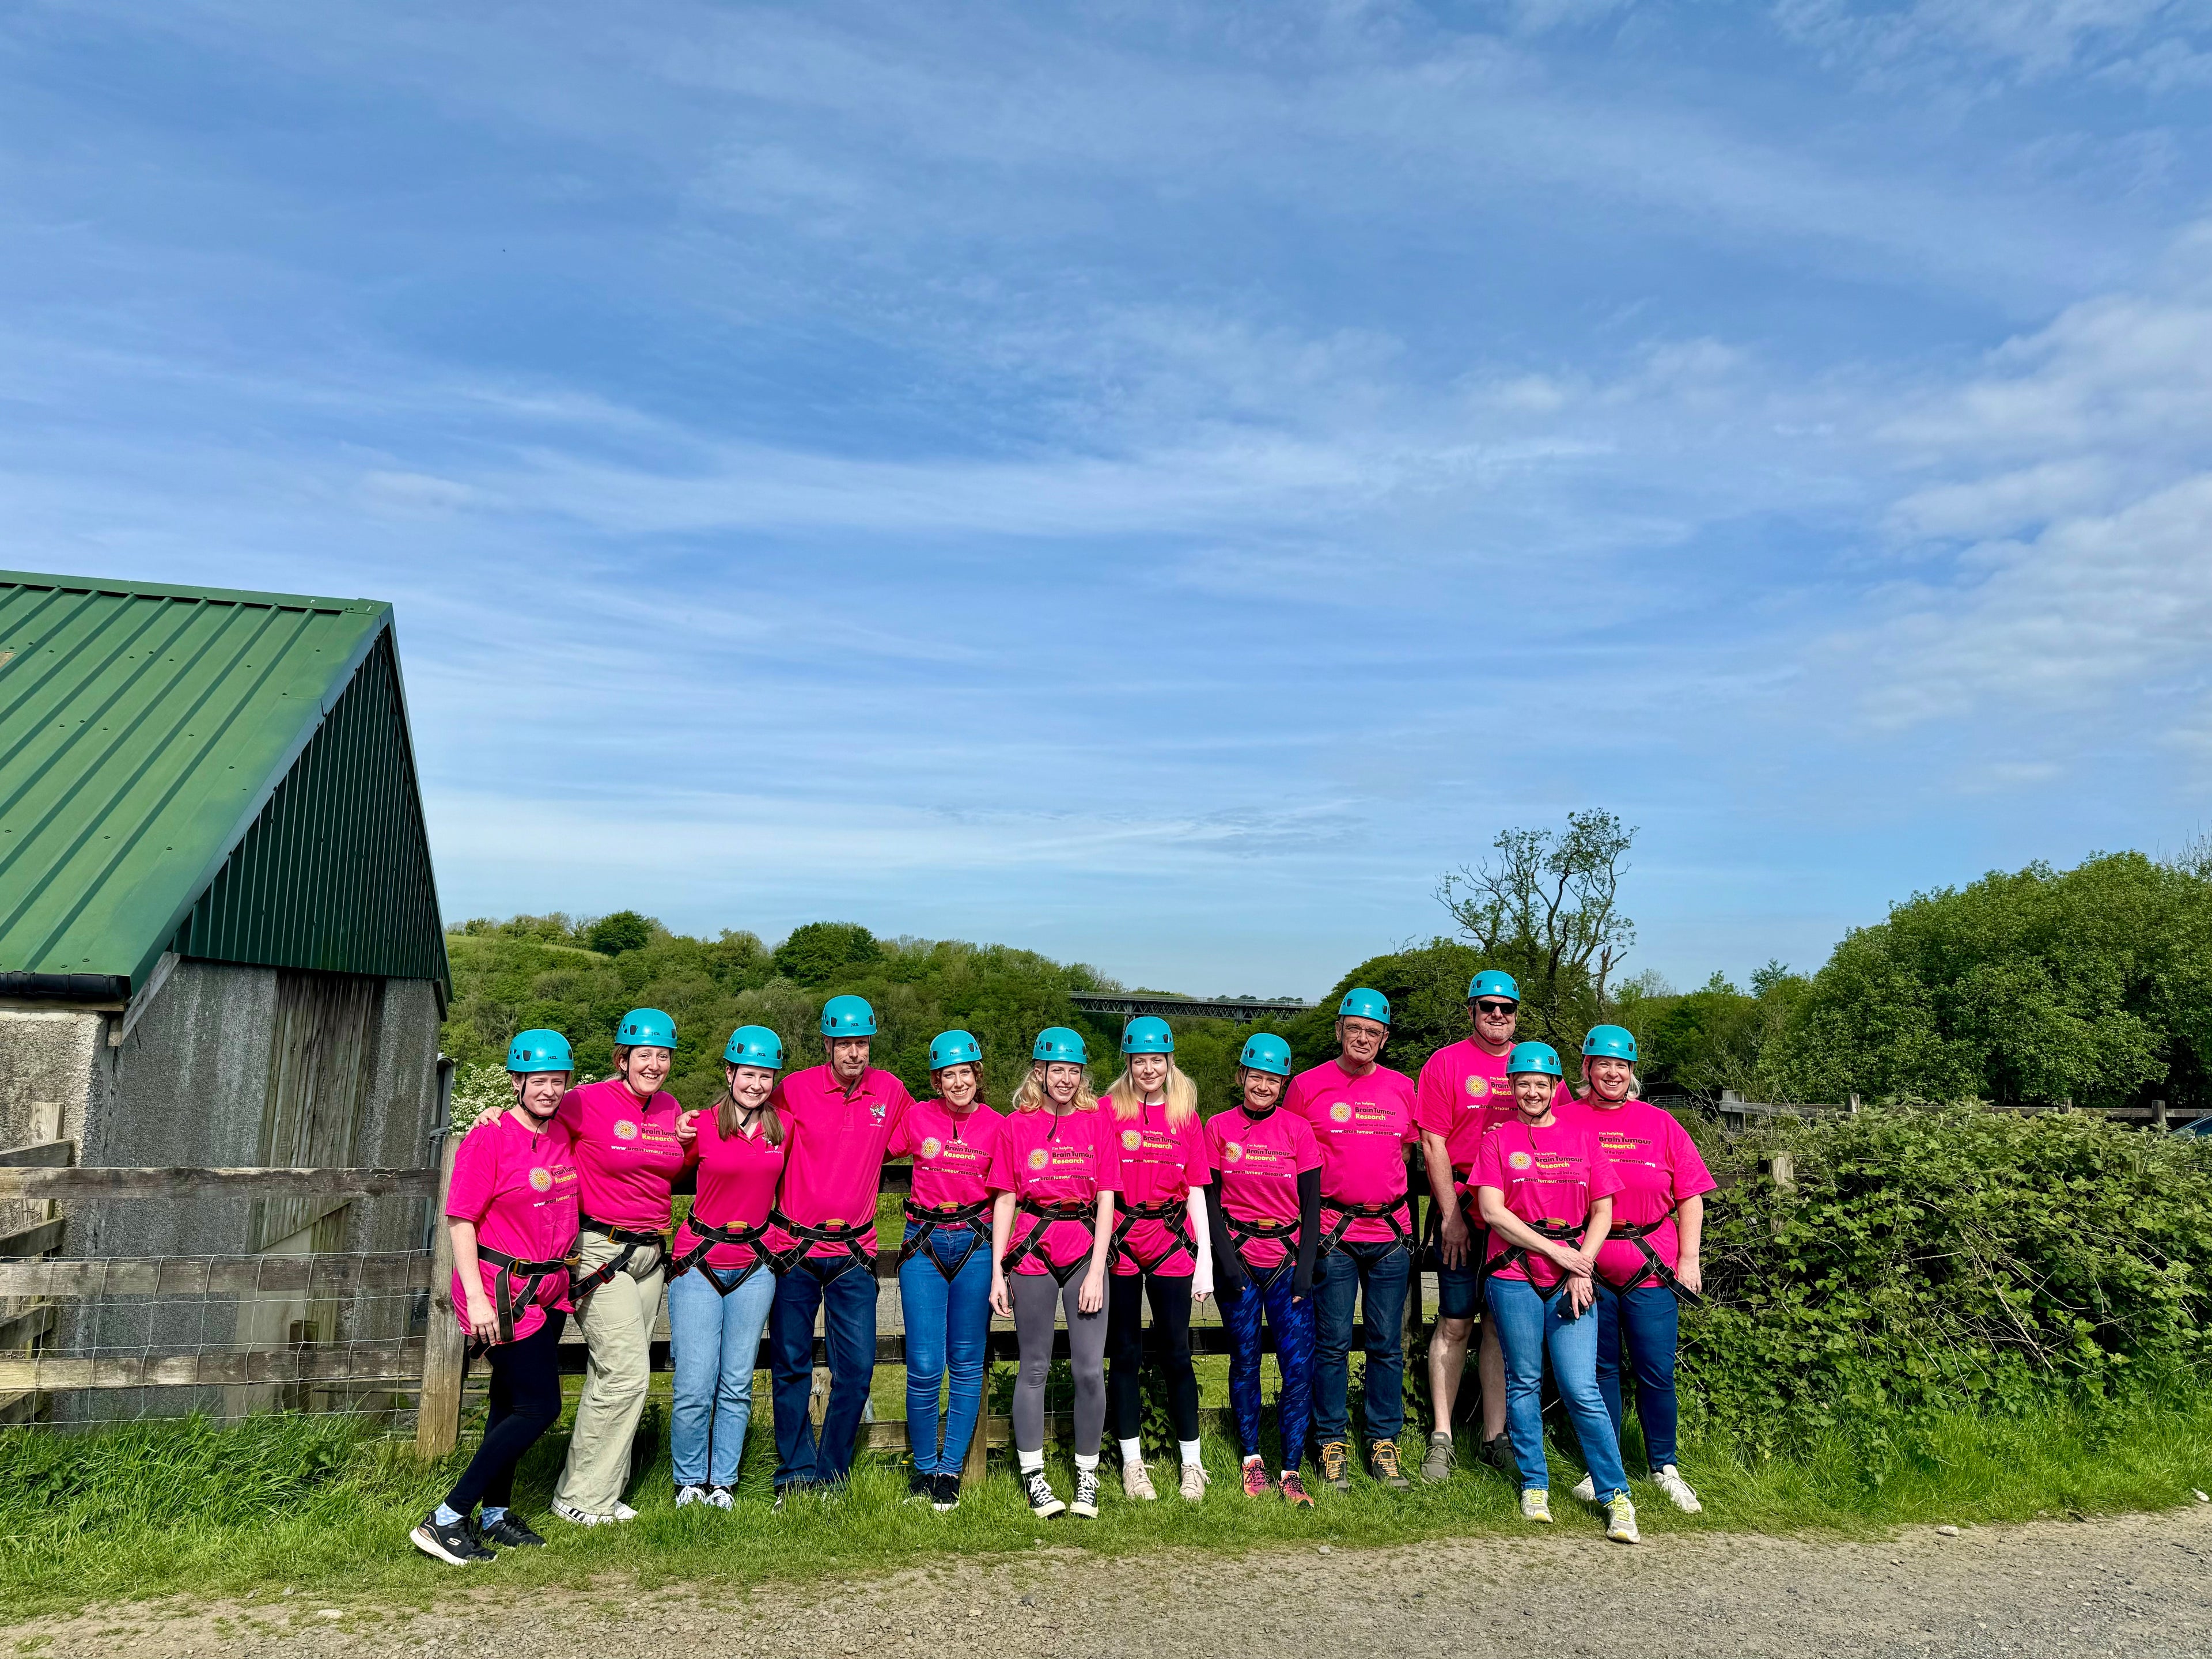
(1518, 1255)
(1046, 1214)
(1242, 1233)
(707, 1235)
(858, 1238)
(1398, 1213)
(1176, 1213)
(962, 1217)
(505, 1299)
(1654, 1271)
(632, 1242)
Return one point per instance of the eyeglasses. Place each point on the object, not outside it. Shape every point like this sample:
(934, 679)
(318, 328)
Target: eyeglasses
(1495, 1008)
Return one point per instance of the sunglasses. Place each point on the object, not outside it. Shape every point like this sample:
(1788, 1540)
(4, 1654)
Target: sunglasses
(1495, 1008)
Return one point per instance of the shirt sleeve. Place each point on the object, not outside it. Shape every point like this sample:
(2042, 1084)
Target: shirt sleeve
(901, 1143)
(1000, 1177)
(569, 1114)
(1692, 1178)
(1212, 1139)
(1604, 1179)
(1432, 1099)
(1488, 1171)
(1195, 1164)
(1294, 1097)
(1413, 1135)
(476, 1162)
(1309, 1148)
(1109, 1157)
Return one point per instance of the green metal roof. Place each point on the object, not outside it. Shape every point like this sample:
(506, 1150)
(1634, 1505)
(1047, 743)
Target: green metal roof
(226, 774)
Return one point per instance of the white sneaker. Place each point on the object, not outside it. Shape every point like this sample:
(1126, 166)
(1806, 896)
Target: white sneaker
(721, 1497)
(1085, 1501)
(1586, 1489)
(1043, 1503)
(576, 1518)
(1137, 1483)
(687, 1496)
(1670, 1480)
(624, 1512)
(1620, 1521)
(1536, 1505)
(1193, 1483)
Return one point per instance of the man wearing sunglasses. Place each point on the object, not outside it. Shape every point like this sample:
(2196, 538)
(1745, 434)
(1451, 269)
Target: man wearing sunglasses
(1462, 1093)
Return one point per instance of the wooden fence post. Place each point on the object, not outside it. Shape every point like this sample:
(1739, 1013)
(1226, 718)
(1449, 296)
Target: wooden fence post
(444, 1348)
(2157, 1115)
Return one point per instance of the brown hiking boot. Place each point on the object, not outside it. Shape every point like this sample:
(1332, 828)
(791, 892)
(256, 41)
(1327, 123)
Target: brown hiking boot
(1333, 1464)
(1383, 1464)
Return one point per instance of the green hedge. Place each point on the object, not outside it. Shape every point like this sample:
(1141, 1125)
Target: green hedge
(1935, 1260)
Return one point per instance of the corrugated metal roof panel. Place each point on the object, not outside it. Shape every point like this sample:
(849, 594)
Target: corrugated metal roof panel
(144, 730)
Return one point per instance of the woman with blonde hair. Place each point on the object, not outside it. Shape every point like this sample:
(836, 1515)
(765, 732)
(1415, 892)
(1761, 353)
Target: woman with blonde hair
(1162, 1248)
(1054, 1173)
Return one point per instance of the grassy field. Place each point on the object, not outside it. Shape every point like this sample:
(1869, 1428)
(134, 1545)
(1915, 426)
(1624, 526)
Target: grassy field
(321, 1506)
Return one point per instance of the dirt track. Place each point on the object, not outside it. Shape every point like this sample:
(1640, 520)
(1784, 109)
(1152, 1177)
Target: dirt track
(2140, 1586)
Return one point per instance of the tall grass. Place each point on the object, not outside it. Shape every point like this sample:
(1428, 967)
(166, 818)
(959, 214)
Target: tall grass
(321, 1506)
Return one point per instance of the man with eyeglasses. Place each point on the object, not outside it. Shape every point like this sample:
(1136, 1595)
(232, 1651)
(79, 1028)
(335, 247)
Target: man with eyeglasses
(1462, 1094)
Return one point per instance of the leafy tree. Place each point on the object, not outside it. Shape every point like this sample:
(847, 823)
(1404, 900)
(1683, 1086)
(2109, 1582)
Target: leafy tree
(2092, 985)
(624, 930)
(824, 951)
(1546, 909)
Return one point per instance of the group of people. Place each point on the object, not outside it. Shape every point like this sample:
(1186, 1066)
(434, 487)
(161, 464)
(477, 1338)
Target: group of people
(1573, 1221)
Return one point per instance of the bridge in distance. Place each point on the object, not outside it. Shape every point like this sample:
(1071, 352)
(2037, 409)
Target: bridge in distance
(1129, 1004)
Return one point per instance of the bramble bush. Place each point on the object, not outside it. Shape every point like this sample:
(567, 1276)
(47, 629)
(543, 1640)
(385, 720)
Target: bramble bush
(1936, 1260)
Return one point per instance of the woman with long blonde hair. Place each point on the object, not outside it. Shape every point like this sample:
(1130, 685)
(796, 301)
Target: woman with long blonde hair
(1055, 1171)
(1162, 1248)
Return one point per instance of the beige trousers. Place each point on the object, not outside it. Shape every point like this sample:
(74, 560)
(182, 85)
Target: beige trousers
(617, 1320)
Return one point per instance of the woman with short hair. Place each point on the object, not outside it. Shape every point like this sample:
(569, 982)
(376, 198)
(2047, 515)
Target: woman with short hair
(1055, 1174)
(511, 1209)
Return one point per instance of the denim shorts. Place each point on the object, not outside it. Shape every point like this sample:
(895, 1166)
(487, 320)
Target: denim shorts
(1459, 1290)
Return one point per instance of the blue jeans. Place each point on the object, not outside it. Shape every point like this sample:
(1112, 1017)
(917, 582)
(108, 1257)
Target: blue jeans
(1527, 1325)
(1375, 1273)
(1292, 1321)
(713, 1340)
(1650, 1317)
(948, 1324)
(848, 1304)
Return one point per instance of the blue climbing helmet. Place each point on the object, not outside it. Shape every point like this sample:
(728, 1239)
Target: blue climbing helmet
(755, 1045)
(1490, 982)
(645, 1028)
(954, 1049)
(1534, 1057)
(1057, 1042)
(847, 1017)
(1147, 1035)
(1610, 1042)
(1266, 1053)
(539, 1050)
(1361, 1003)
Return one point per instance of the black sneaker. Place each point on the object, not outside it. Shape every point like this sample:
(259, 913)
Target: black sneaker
(1497, 1452)
(920, 1487)
(510, 1533)
(456, 1546)
(945, 1495)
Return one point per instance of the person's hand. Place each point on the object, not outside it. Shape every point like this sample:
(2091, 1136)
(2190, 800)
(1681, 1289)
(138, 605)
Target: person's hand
(1092, 1297)
(1580, 1293)
(1453, 1235)
(1002, 1304)
(1566, 1258)
(1692, 1275)
(686, 1130)
(482, 1317)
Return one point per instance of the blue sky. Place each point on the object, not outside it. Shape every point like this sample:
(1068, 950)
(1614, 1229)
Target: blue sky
(1160, 484)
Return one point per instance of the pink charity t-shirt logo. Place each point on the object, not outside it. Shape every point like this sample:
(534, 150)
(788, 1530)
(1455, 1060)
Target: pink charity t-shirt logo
(1341, 1112)
(1039, 1158)
(931, 1147)
(1132, 1138)
(625, 1130)
(877, 1108)
(541, 1180)
(1233, 1152)
(1479, 1086)
(1519, 1160)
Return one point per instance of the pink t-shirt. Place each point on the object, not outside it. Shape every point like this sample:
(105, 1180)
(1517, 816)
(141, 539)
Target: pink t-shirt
(1363, 1126)
(833, 1146)
(1159, 1165)
(952, 1152)
(738, 1176)
(1464, 1094)
(1260, 1164)
(519, 1185)
(1550, 1175)
(626, 1154)
(1056, 1158)
(1659, 1166)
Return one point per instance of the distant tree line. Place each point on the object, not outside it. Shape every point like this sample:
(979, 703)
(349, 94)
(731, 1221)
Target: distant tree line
(2092, 985)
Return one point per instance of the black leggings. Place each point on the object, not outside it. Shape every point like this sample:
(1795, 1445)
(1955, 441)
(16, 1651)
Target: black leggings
(525, 1401)
(1125, 1346)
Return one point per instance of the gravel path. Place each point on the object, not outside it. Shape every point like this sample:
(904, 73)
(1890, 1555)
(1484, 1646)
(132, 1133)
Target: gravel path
(2140, 1586)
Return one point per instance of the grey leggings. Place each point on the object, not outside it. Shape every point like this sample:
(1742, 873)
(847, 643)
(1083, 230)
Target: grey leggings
(1035, 1295)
